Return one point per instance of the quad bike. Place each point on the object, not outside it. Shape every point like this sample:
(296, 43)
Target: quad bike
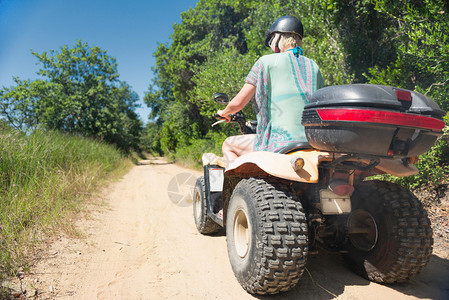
(277, 207)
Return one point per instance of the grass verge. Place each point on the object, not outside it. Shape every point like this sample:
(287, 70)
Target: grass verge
(44, 177)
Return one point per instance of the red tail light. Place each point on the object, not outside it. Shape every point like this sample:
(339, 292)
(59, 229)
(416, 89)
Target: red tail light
(380, 117)
(403, 95)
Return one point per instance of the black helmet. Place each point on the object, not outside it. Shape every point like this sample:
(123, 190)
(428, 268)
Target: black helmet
(285, 24)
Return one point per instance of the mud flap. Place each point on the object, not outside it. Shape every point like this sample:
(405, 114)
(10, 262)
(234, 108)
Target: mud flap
(213, 179)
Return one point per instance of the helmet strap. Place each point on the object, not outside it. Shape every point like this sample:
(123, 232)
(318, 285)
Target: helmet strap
(276, 48)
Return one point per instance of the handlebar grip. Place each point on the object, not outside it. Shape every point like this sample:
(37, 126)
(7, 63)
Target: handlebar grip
(220, 117)
(232, 117)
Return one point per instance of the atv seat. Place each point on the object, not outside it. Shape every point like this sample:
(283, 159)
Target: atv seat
(295, 147)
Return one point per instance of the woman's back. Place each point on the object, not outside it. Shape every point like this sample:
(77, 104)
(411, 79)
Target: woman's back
(284, 83)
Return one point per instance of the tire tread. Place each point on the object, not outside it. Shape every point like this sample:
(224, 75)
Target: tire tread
(413, 233)
(283, 243)
(205, 224)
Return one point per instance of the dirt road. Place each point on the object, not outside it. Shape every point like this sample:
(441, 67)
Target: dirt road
(144, 245)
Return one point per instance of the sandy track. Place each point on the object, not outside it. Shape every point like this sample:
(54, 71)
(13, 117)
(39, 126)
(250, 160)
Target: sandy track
(144, 246)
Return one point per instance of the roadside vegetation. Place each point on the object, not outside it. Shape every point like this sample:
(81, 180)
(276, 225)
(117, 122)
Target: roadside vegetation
(44, 177)
(61, 136)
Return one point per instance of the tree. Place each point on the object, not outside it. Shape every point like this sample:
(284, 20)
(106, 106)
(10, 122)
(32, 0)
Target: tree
(206, 29)
(81, 95)
(19, 105)
(422, 48)
(364, 35)
(223, 72)
(151, 138)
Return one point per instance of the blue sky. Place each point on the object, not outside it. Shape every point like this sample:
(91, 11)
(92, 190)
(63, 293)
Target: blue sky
(128, 30)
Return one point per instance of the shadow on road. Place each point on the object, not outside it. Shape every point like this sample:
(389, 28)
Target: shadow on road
(434, 277)
(327, 276)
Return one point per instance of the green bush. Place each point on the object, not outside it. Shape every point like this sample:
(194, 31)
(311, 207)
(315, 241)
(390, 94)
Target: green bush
(191, 155)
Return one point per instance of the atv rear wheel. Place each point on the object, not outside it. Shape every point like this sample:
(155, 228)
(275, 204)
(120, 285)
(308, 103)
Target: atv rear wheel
(390, 238)
(266, 235)
(203, 222)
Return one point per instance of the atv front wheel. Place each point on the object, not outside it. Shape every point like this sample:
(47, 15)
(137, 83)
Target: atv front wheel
(266, 236)
(203, 222)
(390, 238)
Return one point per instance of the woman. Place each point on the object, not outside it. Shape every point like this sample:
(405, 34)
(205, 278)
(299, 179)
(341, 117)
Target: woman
(281, 84)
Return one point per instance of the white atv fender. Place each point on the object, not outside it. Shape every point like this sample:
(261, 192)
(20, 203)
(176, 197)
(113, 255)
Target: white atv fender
(280, 165)
(263, 163)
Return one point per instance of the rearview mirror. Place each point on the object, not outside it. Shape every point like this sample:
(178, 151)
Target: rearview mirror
(221, 98)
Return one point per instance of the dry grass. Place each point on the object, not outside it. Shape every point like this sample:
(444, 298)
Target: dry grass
(44, 179)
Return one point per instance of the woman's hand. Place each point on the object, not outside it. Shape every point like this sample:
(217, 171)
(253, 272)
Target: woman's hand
(224, 116)
(238, 103)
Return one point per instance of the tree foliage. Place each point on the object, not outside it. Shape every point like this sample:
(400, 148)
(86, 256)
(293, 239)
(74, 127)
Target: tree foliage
(19, 105)
(401, 43)
(81, 94)
(422, 48)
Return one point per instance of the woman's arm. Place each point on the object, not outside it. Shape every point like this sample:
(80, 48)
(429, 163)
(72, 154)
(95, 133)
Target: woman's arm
(239, 101)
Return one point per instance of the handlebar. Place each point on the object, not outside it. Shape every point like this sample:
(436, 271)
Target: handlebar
(238, 118)
(233, 117)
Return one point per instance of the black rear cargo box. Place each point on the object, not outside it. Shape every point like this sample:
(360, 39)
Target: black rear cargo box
(372, 119)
